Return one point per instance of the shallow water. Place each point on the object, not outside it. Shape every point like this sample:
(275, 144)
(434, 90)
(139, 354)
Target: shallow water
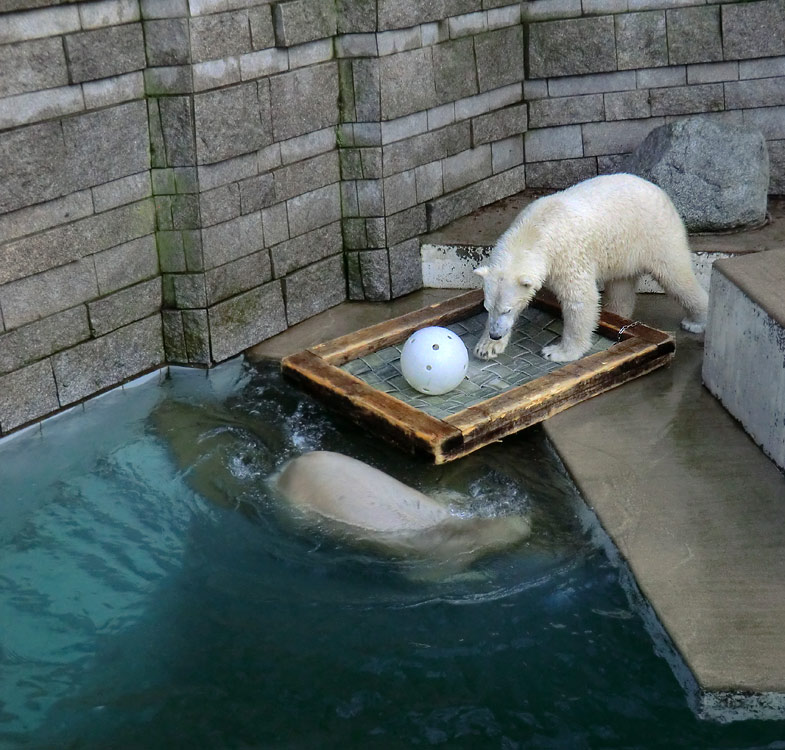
(150, 596)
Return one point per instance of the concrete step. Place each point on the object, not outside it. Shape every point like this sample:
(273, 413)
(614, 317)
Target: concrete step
(744, 354)
(697, 511)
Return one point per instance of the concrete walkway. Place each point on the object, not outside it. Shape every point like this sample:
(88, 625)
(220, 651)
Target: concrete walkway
(698, 512)
(689, 501)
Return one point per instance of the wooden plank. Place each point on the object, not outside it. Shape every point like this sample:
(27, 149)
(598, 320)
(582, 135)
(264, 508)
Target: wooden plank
(390, 332)
(534, 414)
(541, 389)
(408, 427)
(641, 350)
(609, 325)
(556, 386)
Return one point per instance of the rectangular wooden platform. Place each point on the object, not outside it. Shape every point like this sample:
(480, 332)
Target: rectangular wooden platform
(448, 428)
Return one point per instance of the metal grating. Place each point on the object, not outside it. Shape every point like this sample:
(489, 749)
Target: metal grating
(520, 363)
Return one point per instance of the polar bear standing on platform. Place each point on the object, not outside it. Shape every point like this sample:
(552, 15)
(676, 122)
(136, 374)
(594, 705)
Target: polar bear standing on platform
(608, 229)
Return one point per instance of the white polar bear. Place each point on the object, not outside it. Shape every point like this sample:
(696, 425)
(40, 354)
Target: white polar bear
(608, 229)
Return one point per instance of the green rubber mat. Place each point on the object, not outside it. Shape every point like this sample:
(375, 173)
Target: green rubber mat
(520, 363)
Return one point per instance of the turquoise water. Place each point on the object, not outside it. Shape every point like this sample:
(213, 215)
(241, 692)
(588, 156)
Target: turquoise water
(150, 598)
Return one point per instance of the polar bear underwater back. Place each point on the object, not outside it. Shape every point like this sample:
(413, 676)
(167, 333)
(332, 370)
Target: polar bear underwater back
(350, 500)
(608, 229)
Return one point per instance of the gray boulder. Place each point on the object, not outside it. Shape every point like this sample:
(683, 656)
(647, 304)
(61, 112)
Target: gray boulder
(717, 175)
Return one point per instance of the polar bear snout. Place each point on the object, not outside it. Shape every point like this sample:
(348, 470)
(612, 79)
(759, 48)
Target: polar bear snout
(499, 326)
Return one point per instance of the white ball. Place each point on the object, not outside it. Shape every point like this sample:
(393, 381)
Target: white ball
(434, 360)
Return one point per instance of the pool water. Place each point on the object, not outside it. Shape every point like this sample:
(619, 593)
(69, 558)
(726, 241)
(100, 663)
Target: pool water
(150, 596)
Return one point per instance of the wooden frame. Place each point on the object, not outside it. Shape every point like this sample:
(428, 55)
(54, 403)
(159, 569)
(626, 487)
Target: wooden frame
(317, 370)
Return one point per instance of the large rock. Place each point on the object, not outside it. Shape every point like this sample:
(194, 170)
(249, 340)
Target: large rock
(716, 175)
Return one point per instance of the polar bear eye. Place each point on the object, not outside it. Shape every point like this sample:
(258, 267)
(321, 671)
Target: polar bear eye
(506, 311)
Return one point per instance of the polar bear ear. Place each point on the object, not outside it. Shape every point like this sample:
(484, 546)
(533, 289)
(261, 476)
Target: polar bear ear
(481, 271)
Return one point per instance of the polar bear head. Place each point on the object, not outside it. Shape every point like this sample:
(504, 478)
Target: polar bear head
(518, 267)
(506, 295)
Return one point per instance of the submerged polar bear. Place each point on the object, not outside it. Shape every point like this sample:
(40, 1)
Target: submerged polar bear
(608, 229)
(351, 500)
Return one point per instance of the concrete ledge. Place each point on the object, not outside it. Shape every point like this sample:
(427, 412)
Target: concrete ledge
(744, 359)
(696, 511)
(762, 278)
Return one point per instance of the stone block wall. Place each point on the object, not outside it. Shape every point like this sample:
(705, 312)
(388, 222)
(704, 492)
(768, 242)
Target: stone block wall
(184, 178)
(432, 123)
(602, 73)
(80, 292)
(242, 100)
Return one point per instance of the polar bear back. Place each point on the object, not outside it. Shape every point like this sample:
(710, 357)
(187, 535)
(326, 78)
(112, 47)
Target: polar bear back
(609, 227)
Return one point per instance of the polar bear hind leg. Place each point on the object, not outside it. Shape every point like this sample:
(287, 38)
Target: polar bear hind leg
(619, 296)
(678, 280)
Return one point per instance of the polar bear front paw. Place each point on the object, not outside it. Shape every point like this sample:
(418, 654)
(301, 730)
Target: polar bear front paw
(487, 348)
(561, 353)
